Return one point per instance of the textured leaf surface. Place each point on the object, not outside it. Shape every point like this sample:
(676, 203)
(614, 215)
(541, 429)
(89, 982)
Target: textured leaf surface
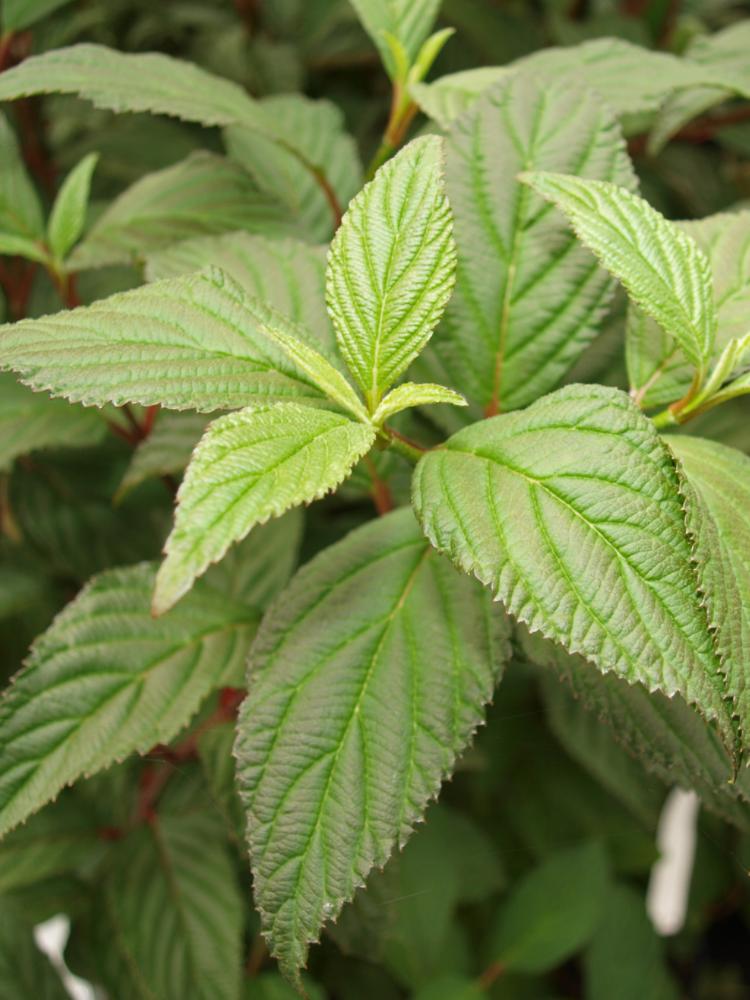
(315, 131)
(172, 906)
(410, 394)
(719, 519)
(668, 737)
(29, 421)
(286, 274)
(552, 912)
(657, 368)
(351, 722)
(391, 267)
(68, 214)
(20, 209)
(528, 298)
(251, 466)
(106, 680)
(663, 270)
(409, 21)
(571, 512)
(187, 343)
(203, 194)
(629, 78)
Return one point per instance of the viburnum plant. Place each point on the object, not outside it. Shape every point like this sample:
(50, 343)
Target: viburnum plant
(412, 337)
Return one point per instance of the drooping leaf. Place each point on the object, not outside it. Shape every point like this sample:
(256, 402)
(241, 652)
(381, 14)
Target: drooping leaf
(391, 267)
(528, 298)
(171, 909)
(167, 449)
(551, 912)
(410, 394)
(128, 682)
(20, 208)
(668, 737)
(194, 342)
(722, 56)
(316, 128)
(718, 511)
(624, 958)
(203, 194)
(571, 512)
(663, 270)
(286, 274)
(24, 970)
(29, 421)
(658, 371)
(337, 701)
(68, 214)
(251, 466)
(407, 21)
(629, 78)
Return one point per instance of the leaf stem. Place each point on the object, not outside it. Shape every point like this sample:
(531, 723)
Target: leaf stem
(403, 110)
(410, 450)
(381, 493)
(490, 975)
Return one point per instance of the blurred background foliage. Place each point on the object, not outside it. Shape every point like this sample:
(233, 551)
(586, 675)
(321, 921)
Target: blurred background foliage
(542, 844)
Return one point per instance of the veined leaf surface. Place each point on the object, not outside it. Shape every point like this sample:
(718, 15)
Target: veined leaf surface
(251, 466)
(126, 681)
(571, 512)
(351, 722)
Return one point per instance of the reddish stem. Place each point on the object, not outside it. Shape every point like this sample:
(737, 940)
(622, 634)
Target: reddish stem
(381, 493)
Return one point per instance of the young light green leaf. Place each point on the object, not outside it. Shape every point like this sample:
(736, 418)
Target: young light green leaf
(663, 270)
(29, 421)
(552, 912)
(177, 869)
(285, 273)
(391, 267)
(410, 394)
(251, 466)
(129, 682)
(330, 700)
(657, 368)
(408, 21)
(21, 221)
(186, 343)
(528, 297)
(309, 143)
(577, 525)
(203, 194)
(718, 513)
(68, 215)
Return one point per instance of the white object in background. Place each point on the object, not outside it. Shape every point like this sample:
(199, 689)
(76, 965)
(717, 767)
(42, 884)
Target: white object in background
(51, 938)
(669, 885)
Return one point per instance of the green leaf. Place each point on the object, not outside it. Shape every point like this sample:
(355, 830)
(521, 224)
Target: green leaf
(668, 737)
(657, 368)
(408, 21)
(571, 512)
(121, 82)
(68, 215)
(21, 14)
(624, 958)
(552, 912)
(309, 144)
(251, 466)
(176, 869)
(203, 194)
(284, 273)
(166, 451)
(24, 970)
(410, 394)
(336, 701)
(29, 421)
(451, 988)
(663, 270)
(630, 79)
(129, 681)
(718, 512)
(528, 298)
(722, 56)
(20, 209)
(188, 343)
(391, 267)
